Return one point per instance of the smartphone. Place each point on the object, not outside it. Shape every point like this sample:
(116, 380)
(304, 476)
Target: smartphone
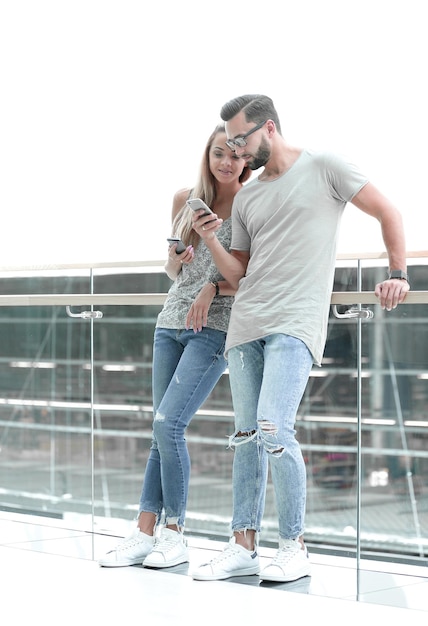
(197, 203)
(180, 245)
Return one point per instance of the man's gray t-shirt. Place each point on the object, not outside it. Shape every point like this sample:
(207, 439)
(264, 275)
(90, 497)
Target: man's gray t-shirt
(290, 227)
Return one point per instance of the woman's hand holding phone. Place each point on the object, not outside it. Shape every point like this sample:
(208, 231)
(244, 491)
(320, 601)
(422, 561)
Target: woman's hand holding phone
(183, 253)
(180, 245)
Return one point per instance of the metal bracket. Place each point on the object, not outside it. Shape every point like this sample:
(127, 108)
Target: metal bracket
(357, 312)
(85, 315)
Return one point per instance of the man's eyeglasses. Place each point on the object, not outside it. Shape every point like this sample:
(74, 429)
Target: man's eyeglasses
(241, 142)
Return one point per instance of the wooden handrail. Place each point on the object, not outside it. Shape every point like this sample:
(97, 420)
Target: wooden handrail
(114, 299)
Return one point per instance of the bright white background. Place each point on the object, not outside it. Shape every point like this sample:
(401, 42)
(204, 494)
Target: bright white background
(106, 105)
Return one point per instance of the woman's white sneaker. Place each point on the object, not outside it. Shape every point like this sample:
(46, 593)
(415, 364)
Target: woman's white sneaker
(130, 551)
(290, 562)
(233, 561)
(170, 549)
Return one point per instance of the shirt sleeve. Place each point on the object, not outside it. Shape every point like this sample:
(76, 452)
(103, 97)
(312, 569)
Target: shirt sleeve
(343, 177)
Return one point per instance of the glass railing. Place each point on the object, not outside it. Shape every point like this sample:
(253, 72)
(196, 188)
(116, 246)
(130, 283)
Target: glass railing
(76, 411)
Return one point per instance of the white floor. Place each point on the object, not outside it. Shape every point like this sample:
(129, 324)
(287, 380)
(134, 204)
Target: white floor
(50, 575)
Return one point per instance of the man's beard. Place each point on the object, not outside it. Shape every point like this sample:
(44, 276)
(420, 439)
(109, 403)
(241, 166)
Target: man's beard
(261, 158)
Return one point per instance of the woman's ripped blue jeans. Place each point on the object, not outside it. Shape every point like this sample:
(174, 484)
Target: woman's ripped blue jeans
(186, 367)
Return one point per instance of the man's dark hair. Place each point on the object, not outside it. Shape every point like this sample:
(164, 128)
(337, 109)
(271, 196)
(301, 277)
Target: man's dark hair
(257, 108)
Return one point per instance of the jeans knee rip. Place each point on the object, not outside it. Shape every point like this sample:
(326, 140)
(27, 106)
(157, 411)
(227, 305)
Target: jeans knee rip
(159, 417)
(268, 437)
(240, 437)
(266, 434)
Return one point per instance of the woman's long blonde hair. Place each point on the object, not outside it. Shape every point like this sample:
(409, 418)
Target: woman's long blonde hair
(206, 189)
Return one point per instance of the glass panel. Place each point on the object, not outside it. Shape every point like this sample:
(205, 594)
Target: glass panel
(124, 411)
(45, 426)
(394, 515)
(327, 427)
(122, 396)
(391, 436)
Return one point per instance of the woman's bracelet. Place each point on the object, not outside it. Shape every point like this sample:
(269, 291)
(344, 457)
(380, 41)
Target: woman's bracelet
(216, 287)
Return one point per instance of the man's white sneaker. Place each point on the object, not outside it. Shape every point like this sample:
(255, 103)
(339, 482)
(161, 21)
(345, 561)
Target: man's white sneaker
(289, 563)
(233, 561)
(170, 549)
(130, 551)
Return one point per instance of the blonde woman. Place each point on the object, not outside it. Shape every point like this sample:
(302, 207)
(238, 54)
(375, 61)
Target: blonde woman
(188, 360)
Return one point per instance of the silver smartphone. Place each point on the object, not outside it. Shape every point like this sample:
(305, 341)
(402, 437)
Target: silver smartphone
(196, 203)
(180, 245)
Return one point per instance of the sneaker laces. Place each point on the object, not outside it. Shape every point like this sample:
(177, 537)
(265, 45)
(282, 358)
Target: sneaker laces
(286, 552)
(230, 550)
(130, 542)
(127, 543)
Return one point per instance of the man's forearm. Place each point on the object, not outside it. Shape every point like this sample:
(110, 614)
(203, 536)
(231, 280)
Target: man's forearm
(393, 237)
(229, 266)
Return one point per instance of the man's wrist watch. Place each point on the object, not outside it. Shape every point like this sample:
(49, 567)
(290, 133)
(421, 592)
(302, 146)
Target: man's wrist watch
(398, 274)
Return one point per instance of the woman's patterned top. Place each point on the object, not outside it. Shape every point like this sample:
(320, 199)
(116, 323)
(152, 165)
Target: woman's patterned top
(190, 281)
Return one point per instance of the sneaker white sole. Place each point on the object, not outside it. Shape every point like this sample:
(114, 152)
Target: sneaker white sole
(149, 562)
(248, 571)
(286, 578)
(138, 561)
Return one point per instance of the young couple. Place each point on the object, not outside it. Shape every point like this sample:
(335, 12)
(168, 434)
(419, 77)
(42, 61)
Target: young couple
(275, 253)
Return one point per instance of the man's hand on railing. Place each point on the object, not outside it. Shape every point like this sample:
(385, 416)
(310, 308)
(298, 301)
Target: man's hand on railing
(392, 292)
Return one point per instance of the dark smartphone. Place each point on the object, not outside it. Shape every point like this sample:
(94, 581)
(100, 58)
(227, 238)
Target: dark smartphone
(180, 245)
